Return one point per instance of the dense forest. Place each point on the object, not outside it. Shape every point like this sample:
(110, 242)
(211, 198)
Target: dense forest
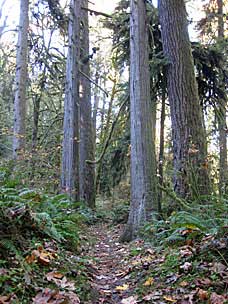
(113, 152)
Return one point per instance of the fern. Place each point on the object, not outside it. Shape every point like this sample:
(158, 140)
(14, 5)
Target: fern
(45, 224)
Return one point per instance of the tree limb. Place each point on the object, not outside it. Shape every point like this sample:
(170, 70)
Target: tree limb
(110, 134)
(93, 82)
(96, 13)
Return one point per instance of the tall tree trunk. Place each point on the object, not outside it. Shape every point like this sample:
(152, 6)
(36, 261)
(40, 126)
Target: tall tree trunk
(70, 154)
(161, 144)
(95, 108)
(222, 117)
(191, 176)
(87, 171)
(21, 81)
(143, 162)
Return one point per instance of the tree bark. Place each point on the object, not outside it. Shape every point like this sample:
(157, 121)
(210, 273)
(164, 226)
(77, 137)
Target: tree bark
(191, 178)
(87, 170)
(70, 154)
(21, 81)
(143, 161)
(161, 144)
(222, 115)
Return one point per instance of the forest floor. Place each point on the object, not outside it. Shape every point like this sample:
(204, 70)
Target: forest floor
(101, 270)
(136, 273)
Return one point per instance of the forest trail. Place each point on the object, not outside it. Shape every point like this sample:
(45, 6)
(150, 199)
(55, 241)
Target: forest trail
(110, 266)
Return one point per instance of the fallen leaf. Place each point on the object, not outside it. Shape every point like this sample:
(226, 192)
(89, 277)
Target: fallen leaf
(153, 296)
(186, 266)
(55, 297)
(169, 299)
(218, 267)
(122, 288)
(54, 275)
(130, 300)
(202, 294)
(12, 298)
(203, 282)
(149, 282)
(217, 299)
(60, 280)
(184, 284)
(4, 299)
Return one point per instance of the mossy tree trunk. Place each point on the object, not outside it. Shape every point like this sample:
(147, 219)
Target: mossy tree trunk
(223, 174)
(87, 170)
(191, 176)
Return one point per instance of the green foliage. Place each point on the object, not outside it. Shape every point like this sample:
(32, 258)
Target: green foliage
(26, 214)
(193, 224)
(120, 213)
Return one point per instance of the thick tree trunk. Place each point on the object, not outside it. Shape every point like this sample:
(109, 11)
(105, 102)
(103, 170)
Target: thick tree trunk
(189, 137)
(143, 162)
(70, 154)
(21, 81)
(87, 171)
(222, 116)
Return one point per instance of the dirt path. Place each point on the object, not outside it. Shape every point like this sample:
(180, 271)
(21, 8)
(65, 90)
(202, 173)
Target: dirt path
(109, 266)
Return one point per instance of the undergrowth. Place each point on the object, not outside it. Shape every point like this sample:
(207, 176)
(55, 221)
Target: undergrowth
(39, 233)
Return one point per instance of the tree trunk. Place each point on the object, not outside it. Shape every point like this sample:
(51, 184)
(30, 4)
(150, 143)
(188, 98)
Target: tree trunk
(222, 115)
(161, 144)
(70, 154)
(87, 171)
(21, 81)
(95, 108)
(143, 162)
(191, 178)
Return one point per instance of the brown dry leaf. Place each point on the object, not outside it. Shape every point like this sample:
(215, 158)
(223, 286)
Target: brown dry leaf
(54, 275)
(130, 300)
(217, 299)
(67, 284)
(203, 282)
(169, 299)
(8, 299)
(149, 282)
(41, 255)
(4, 299)
(73, 298)
(202, 295)
(60, 280)
(218, 267)
(44, 296)
(55, 297)
(44, 260)
(30, 259)
(122, 288)
(184, 284)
